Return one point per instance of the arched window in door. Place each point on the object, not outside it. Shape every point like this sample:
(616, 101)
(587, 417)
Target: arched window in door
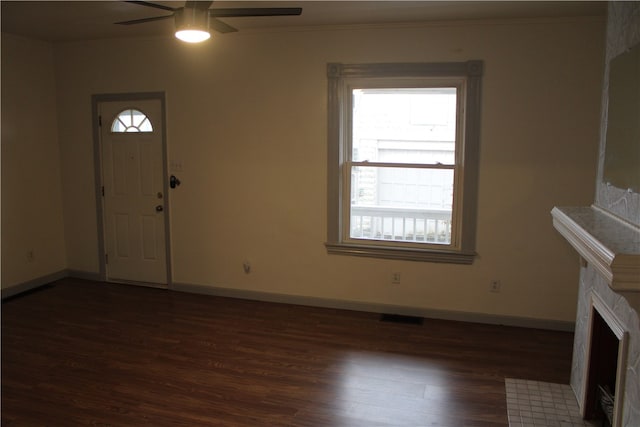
(131, 120)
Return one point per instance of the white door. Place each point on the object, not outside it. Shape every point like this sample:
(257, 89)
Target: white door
(133, 188)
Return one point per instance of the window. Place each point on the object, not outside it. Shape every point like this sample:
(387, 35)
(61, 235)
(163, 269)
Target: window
(403, 160)
(131, 121)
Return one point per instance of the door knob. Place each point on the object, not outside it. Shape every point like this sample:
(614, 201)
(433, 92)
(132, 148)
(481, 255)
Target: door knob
(159, 208)
(173, 181)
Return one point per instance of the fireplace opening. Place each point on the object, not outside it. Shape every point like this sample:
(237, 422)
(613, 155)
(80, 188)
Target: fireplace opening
(602, 371)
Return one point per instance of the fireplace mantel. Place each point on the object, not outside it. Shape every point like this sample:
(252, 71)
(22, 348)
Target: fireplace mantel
(610, 244)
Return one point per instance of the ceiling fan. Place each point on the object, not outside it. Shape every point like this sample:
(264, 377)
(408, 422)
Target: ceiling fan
(194, 19)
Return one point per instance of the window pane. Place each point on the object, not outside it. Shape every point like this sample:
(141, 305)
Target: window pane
(137, 117)
(118, 126)
(401, 204)
(131, 121)
(145, 126)
(416, 125)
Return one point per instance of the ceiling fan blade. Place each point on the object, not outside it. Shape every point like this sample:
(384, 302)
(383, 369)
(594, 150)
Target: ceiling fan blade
(220, 26)
(143, 20)
(201, 5)
(255, 11)
(149, 4)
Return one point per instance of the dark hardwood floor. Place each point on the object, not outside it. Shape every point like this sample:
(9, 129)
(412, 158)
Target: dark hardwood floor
(88, 353)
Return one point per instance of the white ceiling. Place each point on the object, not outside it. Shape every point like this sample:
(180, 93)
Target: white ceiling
(79, 20)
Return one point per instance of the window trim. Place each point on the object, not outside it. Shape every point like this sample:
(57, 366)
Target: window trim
(347, 146)
(338, 115)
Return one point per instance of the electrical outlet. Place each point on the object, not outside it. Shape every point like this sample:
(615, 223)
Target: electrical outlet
(31, 256)
(494, 286)
(395, 278)
(246, 266)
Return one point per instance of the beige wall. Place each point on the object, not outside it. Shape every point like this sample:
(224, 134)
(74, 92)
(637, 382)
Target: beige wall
(31, 185)
(246, 116)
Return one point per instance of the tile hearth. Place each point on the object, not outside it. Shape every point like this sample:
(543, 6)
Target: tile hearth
(540, 404)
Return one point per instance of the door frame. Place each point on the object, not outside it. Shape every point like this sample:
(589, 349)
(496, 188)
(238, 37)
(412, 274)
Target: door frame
(96, 100)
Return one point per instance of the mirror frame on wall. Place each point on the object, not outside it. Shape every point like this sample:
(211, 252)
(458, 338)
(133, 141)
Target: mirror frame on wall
(622, 149)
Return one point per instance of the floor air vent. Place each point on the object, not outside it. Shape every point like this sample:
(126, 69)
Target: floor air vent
(398, 318)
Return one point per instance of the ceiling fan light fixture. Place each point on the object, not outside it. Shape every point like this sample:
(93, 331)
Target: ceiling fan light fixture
(192, 36)
(192, 25)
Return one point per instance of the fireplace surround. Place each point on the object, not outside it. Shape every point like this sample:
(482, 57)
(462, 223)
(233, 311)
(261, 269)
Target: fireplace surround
(605, 365)
(609, 290)
(607, 237)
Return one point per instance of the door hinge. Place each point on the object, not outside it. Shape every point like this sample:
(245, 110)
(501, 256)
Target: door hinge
(103, 191)
(100, 121)
(106, 258)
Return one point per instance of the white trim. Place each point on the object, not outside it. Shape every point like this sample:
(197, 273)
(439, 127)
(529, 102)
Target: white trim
(492, 319)
(96, 101)
(392, 82)
(342, 78)
(591, 231)
(29, 285)
(137, 283)
(372, 307)
(598, 304)
(84, 275)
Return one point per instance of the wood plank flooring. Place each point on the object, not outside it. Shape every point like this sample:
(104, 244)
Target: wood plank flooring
(89, 353)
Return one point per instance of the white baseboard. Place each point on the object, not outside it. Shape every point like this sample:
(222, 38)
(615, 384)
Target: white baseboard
(525, 322)
(493, 319)
(13, 290)
(19, 288)
(85, 275)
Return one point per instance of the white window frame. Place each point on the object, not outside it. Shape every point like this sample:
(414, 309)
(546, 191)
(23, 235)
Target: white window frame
(342, 79)
(138, 128)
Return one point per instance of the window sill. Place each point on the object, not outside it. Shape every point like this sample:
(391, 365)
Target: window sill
(406, 254)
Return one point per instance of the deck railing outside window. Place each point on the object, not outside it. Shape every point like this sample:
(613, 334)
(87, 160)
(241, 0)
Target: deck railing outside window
(401, 224)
